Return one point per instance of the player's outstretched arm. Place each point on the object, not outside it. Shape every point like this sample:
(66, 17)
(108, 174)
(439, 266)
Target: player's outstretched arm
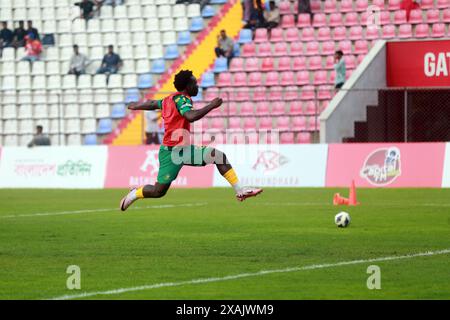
(146, 105)
(194, 115)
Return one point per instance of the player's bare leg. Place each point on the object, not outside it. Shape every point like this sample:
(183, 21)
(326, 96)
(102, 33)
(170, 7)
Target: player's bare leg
(227, 171)
(158, 190)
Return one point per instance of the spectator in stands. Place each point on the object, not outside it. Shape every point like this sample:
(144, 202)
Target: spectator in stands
(304, 6)
(272, 17)
(32, 30)
(78, 62)
(33, 48)
(409, 5)
(86, 8)
(340, 69)
(256, 17)
(6, 37)
(111, 62)
(225, 46)
(152, 127)
(39, 139)
(113, 2)
(19, 35)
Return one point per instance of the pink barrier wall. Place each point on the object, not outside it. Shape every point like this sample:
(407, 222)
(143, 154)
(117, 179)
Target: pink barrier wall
(386, 164)
(137, 165)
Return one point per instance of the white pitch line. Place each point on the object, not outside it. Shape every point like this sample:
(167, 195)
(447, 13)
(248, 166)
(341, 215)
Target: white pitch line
(247, 275)
(162, 206)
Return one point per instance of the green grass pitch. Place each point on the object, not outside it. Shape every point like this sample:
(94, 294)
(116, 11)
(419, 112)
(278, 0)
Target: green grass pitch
(206, 233)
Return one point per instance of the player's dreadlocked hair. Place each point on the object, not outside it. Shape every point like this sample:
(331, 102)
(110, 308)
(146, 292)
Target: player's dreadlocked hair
(182, 79)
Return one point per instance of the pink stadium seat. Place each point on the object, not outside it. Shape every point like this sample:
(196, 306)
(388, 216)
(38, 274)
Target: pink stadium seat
(218, 124)
(443, 4)
(224, 79)
(345, 46)
(323, 105)
(361, 5)
(438, 30)
(288, 21)
(356, 33)
(405, 31)
(385, 17)
(296, 49)
(299, 123)
(259, 94)
(262, 108)
(394, 5)
(278, 108)
(346, 6)
(336, 19)
(280, 49)
(379, 3)
(240, 79)
(432, 16)
(446, 15)
(272, 78)
(307, 34)
(303, 137)
(361, 47)
(388, 31)
(241, 94)
(310, 108)
(320, 77)
(415, 16)
(287, 138)
(308, 93)
(315, 6)
(284, 64)
(284, 7)
(329, 63)
(287, 78)
(250, 124)
(427, 4)
(275, 93)
(332, 77)
(313, 124)
(264, 49)
(329, 6)
(351, 19)
(234, 123)
(422, 31)
(328, 47)
(304, 20)
(292, 35)
(249, 50)
(319, 20)
(251, 64)
(237, 64)
(267, 64)
(283, 123)
(232, 109)
(340, 33)
(315, 63)
(276, 35)
(312, 48)
(291, 93)
(372, 33)
(360, 58)
(302, 78)
(210, 94)
(299, 63)
(265, 123)
(255, 79)
(348, 74)
(260, 35)
(350, 62)
(400, 17)
(296, 108)
(247, 109)
(324, 34)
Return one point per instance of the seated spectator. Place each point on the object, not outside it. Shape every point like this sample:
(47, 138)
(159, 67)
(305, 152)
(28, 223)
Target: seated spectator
(225, 46)
(32, 30)
(19, 35)
(39, 138)
(6, 37)
(113, 2)
(78, 62)
(272, 17)
(86, 8)
(339, 67)
(33, 48)
(409, 5)
(111, 62)
(256, 18)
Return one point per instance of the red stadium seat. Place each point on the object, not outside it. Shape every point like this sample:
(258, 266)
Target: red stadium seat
(310, 108)
(278, 108)
(385, 17)
(328, 47)
(346, 6)
(283, 123)
(303, 137)
(356, 33)
(237, 64)
(427, 4)
(312, 48)
(438, 30)
(260, 35)
(379, 3)
(308, 93)
(319, 20)
(224, 79)
(345, 46)
(302, 78)
(284, 64)
(330, 6)
(287, 78)
(299, 63)
(299, 123)
(315, 6)
(247, 109)
(276, 93)
(329, 63)
(280, 49)
(250, 125)
(422, 31)
(361, 47)
(372, 32)
(265, 123)
(361, 5)
(240, 79)
(336, 19)
(351, 19)
(255, 79)
(287, 21)
(287, 138)
(324, 34)
(272, 79)
(249, 50)
(218, 124)
(340, 33)
(264, 49)
(241, 94)
(388, 31)
(292, 35)
(315, 63)
(350, 62)
(443, 4)
(313, 124)
(400, 17)
(446, 15)
(304, 20)
(415, 16)
(276, 35)
(405, 31)
(262, 108)
(307, 34)
(251, 64)
(394, 5)
(296, 49)
(234, 124)
(296, 108)
(320, 77)
(324, 92)
(284, 7)
(232, 109)
(267, 64)
(259, 94)
(432, 16)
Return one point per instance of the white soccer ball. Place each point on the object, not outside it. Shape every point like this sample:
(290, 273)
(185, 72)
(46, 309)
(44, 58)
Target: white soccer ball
(342, 219)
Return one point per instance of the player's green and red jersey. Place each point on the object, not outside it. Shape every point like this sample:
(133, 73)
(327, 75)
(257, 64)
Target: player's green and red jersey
(173, 108)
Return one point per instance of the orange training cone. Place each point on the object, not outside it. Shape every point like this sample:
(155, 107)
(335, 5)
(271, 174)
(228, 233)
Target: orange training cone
(352, 195)
(339, 200)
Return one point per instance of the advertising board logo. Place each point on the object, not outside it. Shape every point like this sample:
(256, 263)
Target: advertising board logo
(151, 162)
(382, 166)
(269, 160)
